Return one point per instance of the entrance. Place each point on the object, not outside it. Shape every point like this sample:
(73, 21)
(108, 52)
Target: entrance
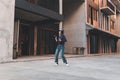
(94, 43)
(45, 38)
(34, 30)
(26, 40)
(101, 42)
(45, 41)
(36, 39)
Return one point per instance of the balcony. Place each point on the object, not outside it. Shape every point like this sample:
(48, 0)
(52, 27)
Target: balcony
(117, 4)
(108, 7)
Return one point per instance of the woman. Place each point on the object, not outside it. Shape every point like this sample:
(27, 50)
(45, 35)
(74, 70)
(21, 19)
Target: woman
(60, 39)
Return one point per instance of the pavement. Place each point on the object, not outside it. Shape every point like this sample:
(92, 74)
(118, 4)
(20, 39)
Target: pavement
(80, 68)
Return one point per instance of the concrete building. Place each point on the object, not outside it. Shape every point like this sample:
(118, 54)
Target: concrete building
(6, 29)
(117, 24)
(27, 27)
(36, 22)
(92, 25)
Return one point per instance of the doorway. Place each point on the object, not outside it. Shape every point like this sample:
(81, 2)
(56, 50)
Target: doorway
(26, 40)
(37, 39)
(94, 43)
(45, 41)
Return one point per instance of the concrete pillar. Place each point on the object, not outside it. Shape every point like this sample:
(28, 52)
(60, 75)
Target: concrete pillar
(117, 28)
(35, 41)
(6, 29)
(61, 13)
(16, 39)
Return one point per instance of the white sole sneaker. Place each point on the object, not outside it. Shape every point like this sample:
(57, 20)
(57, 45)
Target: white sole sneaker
(67, 64)
(56, 64)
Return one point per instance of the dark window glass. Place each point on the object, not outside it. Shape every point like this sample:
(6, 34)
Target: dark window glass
(92, 14)
(93, 43)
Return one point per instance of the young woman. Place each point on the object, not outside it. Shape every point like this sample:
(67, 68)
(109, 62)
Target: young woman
(60, 39)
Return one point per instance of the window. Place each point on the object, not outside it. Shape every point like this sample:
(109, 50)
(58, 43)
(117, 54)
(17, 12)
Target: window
(105, 23)
(112, 23)
(105, 45)
(113, 45)
(102, 21)
(92, 14)
(94, 43)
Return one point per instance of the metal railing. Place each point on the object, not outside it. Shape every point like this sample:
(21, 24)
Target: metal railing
(109, 4)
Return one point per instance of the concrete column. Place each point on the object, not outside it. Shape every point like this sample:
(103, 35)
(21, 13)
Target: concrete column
(61, 25)
(6, 29)
(117, 28)
(16, 39)
(35, 41)
(61, 13)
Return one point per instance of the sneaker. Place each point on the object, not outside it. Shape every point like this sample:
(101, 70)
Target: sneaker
(67, 64)
(56, 64)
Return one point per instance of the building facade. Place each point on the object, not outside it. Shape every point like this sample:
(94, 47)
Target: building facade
(93, 25)
(36, 23)
(6, 29)
(28, 27)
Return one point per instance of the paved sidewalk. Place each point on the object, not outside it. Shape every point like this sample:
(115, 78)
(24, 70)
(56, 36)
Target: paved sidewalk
(81, 68)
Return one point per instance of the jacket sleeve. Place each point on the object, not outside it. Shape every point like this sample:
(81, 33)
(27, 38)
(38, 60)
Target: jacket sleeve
(64, 38)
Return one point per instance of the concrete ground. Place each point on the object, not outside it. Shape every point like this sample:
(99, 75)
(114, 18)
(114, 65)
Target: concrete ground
(81, 68)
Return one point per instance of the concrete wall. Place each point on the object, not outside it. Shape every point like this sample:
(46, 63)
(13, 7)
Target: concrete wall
(6, 29)
(117, 28)
(74, 25)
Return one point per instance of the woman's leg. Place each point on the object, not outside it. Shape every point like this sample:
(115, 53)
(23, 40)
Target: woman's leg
(57, 54)
(62, 54)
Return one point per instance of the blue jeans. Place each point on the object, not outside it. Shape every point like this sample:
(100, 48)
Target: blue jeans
(60, 49)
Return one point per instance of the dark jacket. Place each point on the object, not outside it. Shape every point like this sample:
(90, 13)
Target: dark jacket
(63, 40)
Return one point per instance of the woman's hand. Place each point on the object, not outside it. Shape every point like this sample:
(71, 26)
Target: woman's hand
(60, 39)
(56, 39)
